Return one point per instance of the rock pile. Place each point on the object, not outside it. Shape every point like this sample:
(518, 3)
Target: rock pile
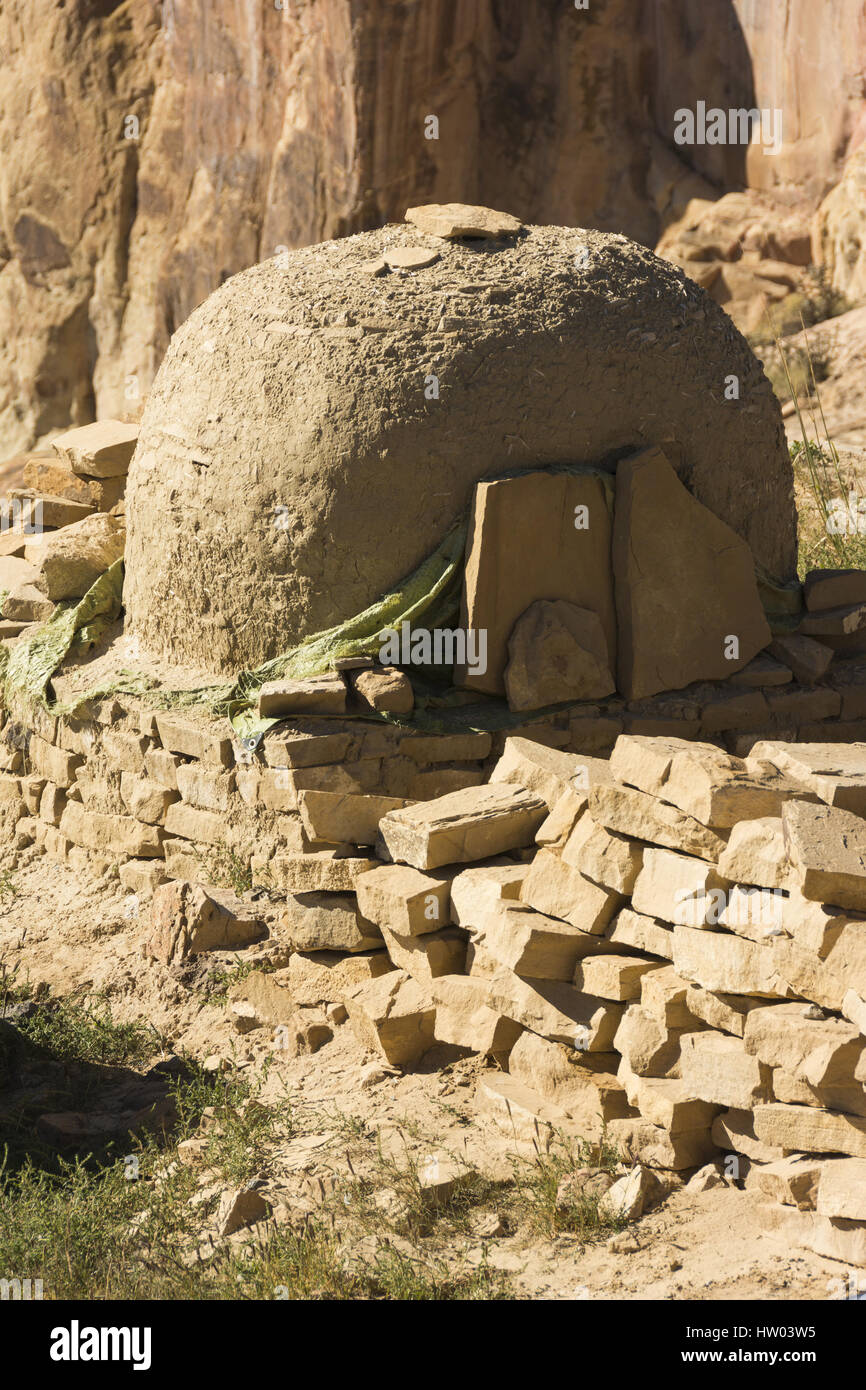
(65, 527)
(666, 948)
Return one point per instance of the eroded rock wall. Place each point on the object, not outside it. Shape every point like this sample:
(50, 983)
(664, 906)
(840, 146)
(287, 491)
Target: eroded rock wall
(262, 127)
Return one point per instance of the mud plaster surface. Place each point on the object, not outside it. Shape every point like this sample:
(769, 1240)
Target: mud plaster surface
(291, 469)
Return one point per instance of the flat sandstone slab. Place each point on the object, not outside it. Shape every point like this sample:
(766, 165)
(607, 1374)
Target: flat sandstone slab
(450, 220)
(325, 694)
(507, 569)
(827, 848)
(678, 628)
(634, 813)
(101, 450)
(463, 826)
(804, 1129)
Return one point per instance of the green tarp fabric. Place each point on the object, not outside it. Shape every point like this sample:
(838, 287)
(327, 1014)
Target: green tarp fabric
(429, 597)
(34, 658)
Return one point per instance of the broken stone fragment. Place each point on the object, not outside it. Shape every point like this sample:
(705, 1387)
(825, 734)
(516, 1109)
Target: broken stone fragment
(581, 1083)
(644, 761)
(440, 1176)
(142, 876)
(755, 854)
(703, 574)
(39, 509)
(409, 257)
(678, 888)
(611, 860)
(404, 899)
(823, 589)
(548, 771)
(717, 1068)
(667, 1102)
(449, 220)
(834, 772)
(634, 813)
(762, 671)
(735, 1130)
(321, 921)
(556, 1010)
(145, 799)
(429, 956)
(394, 1016)
(466, 1018)
(185, 920)
(531, 944)
(627, 1199)
(792, 1181)
(507, 570)
(655, 1146)
(387, 691)
(558, 890)
(343, 817)
(327, 976)
(239, 1207)
(723, 1012)
(630, 928)
(556, 652)
(302, 1032)
(477, 892)
(663, 995)
(50, 475)
(807, 658)
(69, 561)
(325, 694)
(701, 780)
(263, 1001)
(520, 1112)
(827, 848)
(816, 926)
(612, 976)
(463, 826)
(647, 1046)
(823, 1052)
(27, 604)
(100, 450)
(707, 1178)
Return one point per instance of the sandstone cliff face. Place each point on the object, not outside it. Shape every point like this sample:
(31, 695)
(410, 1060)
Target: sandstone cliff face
(261, 127)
